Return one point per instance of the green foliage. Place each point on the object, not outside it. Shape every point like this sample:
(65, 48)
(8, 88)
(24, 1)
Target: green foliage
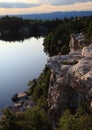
(65, 49)
(15, 28)
(11, 23)
(51, 44)
(37, 119)
(33, 119)
(63, 32)
(8, 121)
(78, 121)
(89, 33)
(55, 29)
(31, 84)
(38, 89)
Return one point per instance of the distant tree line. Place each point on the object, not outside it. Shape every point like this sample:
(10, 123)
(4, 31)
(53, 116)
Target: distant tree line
(16, 28)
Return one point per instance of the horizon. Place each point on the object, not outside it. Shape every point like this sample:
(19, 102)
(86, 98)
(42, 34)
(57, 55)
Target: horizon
(43, 13)
(19, 7)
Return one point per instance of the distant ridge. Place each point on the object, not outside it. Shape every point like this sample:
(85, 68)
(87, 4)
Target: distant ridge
(54, 15)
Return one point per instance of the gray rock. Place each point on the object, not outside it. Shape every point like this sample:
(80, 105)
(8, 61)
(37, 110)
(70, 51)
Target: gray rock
(19, 96)
(70, 82)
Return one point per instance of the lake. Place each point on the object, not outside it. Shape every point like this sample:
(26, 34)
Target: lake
(20, 61)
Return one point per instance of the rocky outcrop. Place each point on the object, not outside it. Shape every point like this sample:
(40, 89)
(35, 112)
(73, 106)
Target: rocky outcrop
(19, 96)
(70, 82)
(77, 41)
(21, 102)
(21, 105)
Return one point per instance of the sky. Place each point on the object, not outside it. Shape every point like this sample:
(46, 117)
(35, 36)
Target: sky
(42, 6)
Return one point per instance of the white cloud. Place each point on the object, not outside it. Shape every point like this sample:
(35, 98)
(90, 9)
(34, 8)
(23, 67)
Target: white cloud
(42, 6)
(34, 3)
(17, 5)
(20, 1)
(62, 2)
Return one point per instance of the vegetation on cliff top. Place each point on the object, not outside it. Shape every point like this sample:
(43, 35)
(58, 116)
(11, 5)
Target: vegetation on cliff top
(62, 33)
(38, 89)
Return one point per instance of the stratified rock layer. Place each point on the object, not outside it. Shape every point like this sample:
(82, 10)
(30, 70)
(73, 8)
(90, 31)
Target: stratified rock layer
(70, 82)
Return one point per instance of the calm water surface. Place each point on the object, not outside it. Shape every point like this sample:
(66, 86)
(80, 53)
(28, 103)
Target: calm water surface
(19, 63)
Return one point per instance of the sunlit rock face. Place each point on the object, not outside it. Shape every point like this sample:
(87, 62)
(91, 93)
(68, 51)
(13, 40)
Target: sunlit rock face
(77, 41)
(70, 82)
(87, 51)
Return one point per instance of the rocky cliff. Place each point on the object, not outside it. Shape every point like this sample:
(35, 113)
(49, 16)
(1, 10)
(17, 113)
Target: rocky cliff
(70, 82)
(77, 41)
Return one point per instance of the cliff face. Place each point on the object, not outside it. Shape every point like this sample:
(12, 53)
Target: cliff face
(70, 82)
(77, 41)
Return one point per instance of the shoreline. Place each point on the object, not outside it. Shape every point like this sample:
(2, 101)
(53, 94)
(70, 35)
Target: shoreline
(22, 101)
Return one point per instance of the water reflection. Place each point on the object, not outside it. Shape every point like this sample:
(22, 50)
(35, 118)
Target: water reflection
(18, 37)
(19, 63)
